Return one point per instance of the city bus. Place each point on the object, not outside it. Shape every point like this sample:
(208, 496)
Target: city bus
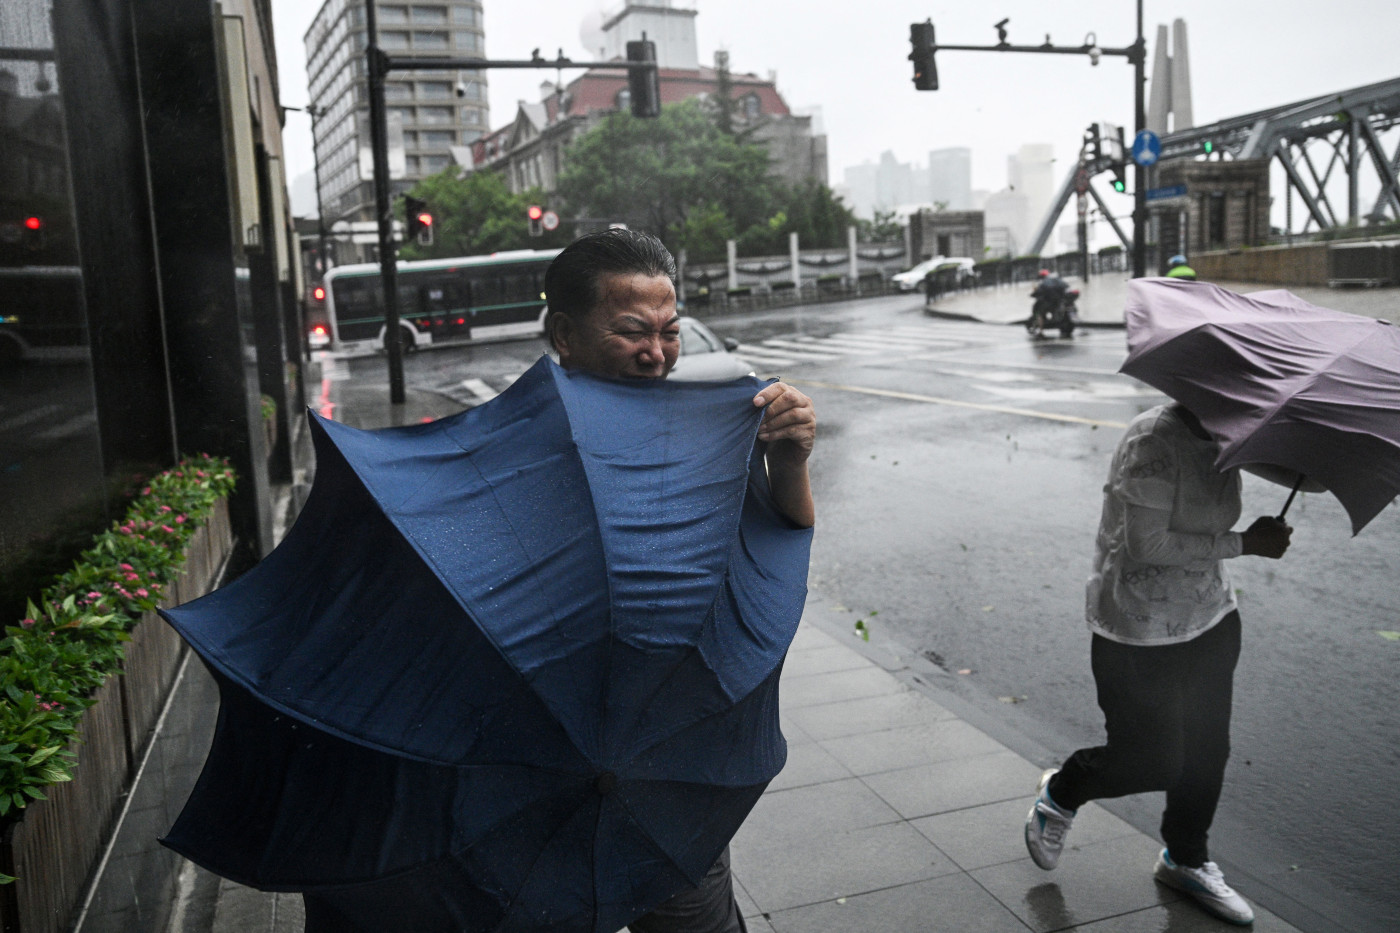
(468, 298)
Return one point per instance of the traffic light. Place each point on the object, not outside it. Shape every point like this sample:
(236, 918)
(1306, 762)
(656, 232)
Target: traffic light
(318, 293)
(1207, 146)
(1093, 143)
(535, 214)
(925, 71)
(419, 220)
(643, 84)
(1120, 181)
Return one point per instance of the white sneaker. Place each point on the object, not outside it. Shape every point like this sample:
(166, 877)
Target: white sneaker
(1046, 826)
(1207, 885)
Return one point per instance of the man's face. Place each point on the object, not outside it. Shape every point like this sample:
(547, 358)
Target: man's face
(632, 333)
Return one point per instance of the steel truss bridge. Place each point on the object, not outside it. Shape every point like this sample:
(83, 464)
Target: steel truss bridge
(1325, 145)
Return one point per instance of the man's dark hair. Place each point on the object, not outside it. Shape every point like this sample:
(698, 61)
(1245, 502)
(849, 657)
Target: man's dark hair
(571, 281)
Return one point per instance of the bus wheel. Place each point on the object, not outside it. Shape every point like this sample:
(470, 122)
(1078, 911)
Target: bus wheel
(407, 344)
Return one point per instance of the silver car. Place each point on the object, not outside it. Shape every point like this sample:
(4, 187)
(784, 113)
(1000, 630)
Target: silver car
(705, 358)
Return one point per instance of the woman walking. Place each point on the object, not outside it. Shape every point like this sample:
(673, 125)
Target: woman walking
(1166, 636)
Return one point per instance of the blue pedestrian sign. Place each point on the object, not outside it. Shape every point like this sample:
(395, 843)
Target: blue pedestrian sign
(1147, 148)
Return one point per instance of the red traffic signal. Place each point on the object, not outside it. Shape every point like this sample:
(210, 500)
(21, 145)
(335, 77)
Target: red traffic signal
(535, 212)
(319, 293)
(923, 45)
(425, 219)
(33, 223)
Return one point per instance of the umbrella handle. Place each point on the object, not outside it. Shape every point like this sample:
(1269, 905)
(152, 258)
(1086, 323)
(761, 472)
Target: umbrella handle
(1296, 486)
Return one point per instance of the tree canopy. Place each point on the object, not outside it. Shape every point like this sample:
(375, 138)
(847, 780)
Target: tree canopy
(684, 179)
(678, 176)
(475, 213)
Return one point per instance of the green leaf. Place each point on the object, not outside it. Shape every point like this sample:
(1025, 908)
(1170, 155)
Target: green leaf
(42, 755)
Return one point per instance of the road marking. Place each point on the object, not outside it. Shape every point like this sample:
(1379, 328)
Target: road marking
(809, 347)
(898, 341)
(42, 413)
(955, 403)
(480, 389)
(751, 352)
(747, 349)
(66, 429)
(1038, 367)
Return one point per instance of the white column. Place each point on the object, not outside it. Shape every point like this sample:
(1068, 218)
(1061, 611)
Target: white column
(851, 245)
(794, 256)
(732, 249)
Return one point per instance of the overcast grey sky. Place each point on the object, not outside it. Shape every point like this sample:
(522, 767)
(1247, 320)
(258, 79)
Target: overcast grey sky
(849, 59)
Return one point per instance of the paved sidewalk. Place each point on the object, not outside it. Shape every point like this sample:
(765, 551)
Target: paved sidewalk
(895, 815)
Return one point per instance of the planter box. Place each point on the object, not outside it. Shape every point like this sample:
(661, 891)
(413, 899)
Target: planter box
(55, 845)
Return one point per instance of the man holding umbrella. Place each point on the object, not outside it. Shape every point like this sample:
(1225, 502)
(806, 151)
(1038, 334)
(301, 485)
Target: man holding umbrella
(612, 313)
(1166, 636)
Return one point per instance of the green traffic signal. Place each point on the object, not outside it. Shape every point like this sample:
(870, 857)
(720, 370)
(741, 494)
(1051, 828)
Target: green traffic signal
(1119, 185)
(1207, 147)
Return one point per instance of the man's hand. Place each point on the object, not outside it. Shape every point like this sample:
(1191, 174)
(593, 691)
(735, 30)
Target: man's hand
(1267, 537)
(789, 430)
(790, 422)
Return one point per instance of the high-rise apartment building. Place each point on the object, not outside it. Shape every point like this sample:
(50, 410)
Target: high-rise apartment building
(430, 113)
(950, 178)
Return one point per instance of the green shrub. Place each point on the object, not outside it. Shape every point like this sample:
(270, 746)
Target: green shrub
(71, 640)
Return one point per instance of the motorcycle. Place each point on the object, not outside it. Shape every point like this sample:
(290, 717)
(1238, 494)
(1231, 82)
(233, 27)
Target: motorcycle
(1062, 313)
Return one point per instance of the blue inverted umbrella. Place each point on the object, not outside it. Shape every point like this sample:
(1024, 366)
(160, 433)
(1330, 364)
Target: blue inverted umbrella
(516, 669)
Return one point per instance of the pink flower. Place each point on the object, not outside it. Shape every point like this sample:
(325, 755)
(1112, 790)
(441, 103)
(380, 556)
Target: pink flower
(146, 491)
(179, 519)
(143, 592)
(167, 528)
(93, 594)
(166, 508)
(127, 567)
(133, 576)
(26, 623)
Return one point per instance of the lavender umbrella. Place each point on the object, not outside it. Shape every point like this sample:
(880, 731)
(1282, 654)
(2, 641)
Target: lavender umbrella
(1277, 382)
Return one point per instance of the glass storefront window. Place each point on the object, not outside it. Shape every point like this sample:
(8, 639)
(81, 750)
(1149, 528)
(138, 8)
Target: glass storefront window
(53, 492)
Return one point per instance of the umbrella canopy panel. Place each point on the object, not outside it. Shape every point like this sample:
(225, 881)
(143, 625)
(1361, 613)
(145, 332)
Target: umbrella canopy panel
(1277, 381)
(561, 615)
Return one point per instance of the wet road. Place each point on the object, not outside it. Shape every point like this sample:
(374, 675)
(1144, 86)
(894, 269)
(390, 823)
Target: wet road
(958, 478)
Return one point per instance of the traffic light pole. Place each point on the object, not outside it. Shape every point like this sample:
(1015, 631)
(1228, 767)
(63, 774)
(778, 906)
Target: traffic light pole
(380, 65)
(1136, 54)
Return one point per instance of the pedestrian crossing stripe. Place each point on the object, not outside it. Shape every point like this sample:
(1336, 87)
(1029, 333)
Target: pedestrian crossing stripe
(480, 389)
(759, 352)
(815, 346)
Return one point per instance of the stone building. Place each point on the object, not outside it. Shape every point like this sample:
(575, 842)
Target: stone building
(946, 233)
(1222, 205)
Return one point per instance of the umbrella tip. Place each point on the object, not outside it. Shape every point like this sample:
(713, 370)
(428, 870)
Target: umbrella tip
(606, 783)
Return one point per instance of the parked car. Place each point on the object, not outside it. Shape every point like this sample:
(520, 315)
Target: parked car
(913, 279)
(706, 358)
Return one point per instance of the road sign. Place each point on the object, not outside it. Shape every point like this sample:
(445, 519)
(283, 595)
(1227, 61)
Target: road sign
(1161, 194)
(1147, 148)
(550, 220)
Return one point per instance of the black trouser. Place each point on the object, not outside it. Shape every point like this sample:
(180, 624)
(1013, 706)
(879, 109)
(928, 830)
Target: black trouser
(1167, 714)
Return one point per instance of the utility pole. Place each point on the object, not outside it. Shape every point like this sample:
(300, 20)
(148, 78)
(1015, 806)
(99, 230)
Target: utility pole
(926, 78)
(646, 98)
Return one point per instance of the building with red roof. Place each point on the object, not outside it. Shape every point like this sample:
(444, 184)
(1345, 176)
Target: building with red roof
(530, 151)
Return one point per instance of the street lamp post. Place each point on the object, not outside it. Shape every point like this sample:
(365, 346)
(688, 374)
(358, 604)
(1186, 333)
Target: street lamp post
(316, 113)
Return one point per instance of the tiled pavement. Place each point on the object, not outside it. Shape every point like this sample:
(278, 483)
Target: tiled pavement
(895, 815)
